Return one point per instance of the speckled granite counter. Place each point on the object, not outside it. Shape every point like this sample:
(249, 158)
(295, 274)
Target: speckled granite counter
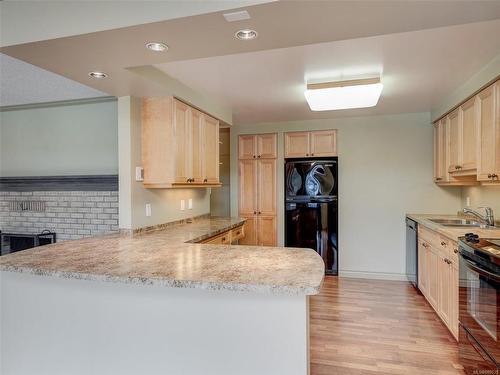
(164, 257)
(452, 232)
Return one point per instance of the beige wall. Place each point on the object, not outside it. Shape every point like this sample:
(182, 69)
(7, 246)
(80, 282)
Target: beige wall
(56, 139)
(165, 203)
(488, 196)
(385, 171)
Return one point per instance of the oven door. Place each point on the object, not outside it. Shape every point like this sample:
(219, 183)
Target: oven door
(479, 311)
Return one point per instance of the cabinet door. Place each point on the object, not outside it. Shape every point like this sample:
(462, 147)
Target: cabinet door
(211, 152)
(266, 190)
(248, 187)
(454, 141)
(423, 274)
(182, 131)
(444, 300)
(197, 146)
(297, 144)
(250, 231)
(454, 299)
(267, 146)
(489, 135)
(439, 151)
(266, 230)
(247, 147)
(468, 136)
(324, 143)
(432, 267)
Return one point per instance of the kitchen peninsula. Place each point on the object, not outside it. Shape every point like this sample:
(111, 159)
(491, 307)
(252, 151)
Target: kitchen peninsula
(158, 302)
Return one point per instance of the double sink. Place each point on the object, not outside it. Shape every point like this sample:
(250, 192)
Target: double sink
(459, 223)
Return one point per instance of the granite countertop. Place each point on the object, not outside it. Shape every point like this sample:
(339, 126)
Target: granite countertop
(453, 232)
(165, 257)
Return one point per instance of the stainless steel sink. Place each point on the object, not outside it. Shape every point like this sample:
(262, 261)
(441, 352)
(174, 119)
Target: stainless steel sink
(458, 223)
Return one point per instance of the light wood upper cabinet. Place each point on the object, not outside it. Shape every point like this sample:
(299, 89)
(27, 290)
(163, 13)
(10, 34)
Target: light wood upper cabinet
(472, 141)
(468, 136)
(488, 140)
(259, 146)
(210, 160)
(197, 156)
(311, 144)
(247, 148)
(182, 140)
(454, 130)
(324, 143)
(267, 146)
(180, 145)
(297, 144)
(440, 172)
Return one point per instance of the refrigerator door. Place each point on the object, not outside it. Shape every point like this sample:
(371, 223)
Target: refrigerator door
(311, 178)
(314, 225)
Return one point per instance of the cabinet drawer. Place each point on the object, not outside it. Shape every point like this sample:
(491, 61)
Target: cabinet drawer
(221, 239)
(237, 233)
(429, 236)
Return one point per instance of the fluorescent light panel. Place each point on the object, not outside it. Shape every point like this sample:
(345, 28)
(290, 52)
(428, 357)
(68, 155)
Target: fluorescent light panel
(330, 96)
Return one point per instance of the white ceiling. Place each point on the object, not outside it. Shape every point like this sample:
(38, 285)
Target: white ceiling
(418, 68)
(23, 83)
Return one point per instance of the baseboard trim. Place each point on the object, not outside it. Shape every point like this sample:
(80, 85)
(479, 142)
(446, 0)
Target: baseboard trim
(373, 275)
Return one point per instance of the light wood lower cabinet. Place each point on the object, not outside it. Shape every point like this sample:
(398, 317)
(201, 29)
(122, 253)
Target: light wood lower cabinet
(228, 237)
(259, 231)
(257, 188)
(438, 275)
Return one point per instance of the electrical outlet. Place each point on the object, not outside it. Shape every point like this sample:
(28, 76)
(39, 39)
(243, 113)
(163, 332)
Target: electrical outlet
(190, 204)
(183, 204)
(139, 174)
(148, 209)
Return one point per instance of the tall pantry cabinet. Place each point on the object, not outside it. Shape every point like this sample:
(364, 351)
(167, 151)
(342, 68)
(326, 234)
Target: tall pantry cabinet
(257, 187)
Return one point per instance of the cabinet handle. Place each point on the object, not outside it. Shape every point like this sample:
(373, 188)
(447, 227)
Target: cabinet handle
(455, 251)
(495, 176)
(312, 154)
(490, 175)
(307, 154)
(205, 180)
(254, 156)
(260, 212)
(443, 243)
(258, 156)
(438, 178)
(188, 180)
(255, 212)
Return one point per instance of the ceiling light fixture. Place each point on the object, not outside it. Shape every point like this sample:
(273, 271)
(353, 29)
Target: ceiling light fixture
(157, 46)
(98, 75)
(246, 34)
(357, 93)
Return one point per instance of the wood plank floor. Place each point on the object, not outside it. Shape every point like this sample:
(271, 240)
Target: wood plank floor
(368, 327)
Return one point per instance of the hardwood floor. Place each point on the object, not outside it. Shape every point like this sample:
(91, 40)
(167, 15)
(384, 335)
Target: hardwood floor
(366, 327)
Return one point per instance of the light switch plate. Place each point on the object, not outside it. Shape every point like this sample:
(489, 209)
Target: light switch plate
(139, 174)
(190, 204)
(148, 209)
(183, 204)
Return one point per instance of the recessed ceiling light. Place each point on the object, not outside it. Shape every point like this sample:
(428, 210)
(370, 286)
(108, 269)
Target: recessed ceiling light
(157, 46)
(98, 75)
(246, 34)
(329, 96)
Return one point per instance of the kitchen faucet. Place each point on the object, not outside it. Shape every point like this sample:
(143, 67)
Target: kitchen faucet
(488, 218)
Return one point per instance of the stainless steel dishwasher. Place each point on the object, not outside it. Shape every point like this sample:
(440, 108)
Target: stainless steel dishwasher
(412, 252)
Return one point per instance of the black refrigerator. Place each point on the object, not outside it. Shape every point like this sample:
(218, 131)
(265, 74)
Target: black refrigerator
(311, 207)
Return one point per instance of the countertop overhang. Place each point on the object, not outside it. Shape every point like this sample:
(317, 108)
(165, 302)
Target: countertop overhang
(167, 257)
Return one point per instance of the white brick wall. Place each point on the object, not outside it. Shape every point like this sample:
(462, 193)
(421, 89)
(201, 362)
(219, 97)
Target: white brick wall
(71, 214)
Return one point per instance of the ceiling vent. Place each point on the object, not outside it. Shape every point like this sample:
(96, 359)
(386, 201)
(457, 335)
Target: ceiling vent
(237, 16)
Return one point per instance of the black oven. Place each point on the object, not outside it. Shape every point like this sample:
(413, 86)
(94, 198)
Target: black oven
(13, 242)
(479, 305)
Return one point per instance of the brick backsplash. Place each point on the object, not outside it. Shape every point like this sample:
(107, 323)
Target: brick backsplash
(71, 214)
